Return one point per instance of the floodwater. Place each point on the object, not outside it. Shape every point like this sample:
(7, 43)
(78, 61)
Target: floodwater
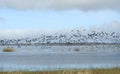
(47, 57)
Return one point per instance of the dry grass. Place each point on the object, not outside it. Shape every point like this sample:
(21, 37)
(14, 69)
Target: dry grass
(94, 71)
(8, 49)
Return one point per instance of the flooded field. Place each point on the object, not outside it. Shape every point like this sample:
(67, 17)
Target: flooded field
(60, 57)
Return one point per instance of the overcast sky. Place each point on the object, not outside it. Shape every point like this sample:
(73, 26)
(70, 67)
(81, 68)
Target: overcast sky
(59, 14)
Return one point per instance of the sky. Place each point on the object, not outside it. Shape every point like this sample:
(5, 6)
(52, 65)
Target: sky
(47, 15)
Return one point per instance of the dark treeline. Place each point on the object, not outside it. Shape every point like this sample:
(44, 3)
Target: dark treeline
(76, 38)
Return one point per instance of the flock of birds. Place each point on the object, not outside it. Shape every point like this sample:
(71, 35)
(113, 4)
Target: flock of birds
(59, 38)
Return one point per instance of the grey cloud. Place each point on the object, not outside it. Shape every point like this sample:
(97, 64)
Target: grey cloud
(85, 5)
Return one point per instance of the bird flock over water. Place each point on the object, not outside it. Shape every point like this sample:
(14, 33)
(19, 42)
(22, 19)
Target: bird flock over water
(76, 37)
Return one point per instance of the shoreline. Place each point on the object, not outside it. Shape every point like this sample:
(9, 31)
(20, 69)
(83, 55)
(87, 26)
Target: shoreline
(12, 67)
(59, 44)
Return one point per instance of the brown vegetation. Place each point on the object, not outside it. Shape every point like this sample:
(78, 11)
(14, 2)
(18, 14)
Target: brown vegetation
(93, 71)
(76, 49)
(8, 49)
